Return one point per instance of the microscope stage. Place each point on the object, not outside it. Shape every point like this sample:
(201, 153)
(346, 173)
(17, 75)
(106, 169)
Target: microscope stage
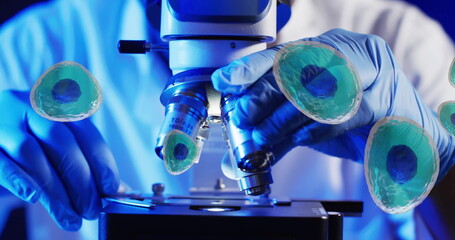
(215, 218)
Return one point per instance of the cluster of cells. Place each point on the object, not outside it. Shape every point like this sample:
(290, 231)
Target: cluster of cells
(446, 111)
(68, 92)
(401, 160)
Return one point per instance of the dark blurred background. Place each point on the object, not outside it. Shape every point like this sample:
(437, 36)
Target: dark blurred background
(10, 7)
(441, 10)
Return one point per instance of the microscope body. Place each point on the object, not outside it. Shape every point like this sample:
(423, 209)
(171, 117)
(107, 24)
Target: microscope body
(204, 35)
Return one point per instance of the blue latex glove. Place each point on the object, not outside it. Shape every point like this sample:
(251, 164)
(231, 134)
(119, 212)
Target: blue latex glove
(66, 166)
(277, 123)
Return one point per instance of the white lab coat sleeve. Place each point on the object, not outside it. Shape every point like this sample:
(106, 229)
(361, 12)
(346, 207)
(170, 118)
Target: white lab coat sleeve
(28, 46)
(425, 53)
(54, 31)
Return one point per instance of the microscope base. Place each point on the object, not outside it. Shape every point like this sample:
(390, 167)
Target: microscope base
(195, 218)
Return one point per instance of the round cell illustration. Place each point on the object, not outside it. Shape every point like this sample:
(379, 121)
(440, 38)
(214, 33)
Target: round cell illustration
(180, 152)
(446, 115)
(452, 73)
(401, 164)
(318, 80)
(66, 92)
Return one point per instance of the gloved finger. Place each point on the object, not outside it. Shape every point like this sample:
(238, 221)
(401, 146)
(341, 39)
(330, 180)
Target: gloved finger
(18, 182)
(347, 146)
(29, 156)
(63, 152)
(242, 73)
(279, 125)
(98, 155)
(258, 102)
(316, 132)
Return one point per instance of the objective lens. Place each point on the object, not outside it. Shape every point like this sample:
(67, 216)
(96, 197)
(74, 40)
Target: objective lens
(401, 164)
(251, 163)
(180, 152)
(318, 80)
(66, 92)
(250, 157)
(186, 103)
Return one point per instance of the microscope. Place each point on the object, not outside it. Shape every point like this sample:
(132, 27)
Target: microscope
(204, 35)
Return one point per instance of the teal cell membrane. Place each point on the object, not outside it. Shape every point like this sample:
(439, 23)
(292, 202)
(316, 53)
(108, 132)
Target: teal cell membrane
(401, 164)
(452, 73)
(180, 152)
(318, 80)
(66, 92)
(446, 115)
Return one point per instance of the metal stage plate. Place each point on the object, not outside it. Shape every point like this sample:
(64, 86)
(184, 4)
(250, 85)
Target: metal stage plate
(202, 218)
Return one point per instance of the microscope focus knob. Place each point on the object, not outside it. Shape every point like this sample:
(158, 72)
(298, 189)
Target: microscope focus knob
(158, 189)
(133, 46)
(139, 46)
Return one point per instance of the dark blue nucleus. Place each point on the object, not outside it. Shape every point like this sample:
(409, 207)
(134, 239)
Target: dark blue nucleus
(452, 118)
(180, 151)
(66, 91)
(318, 81)
(401, 163)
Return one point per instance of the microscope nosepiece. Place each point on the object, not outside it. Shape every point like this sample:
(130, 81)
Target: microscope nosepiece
(251, 160)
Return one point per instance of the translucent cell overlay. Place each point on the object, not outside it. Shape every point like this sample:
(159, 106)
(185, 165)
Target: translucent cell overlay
(452, 73)
(446, 115)
(318, 80)
(401, 164)
(66, 92)
(180, 152)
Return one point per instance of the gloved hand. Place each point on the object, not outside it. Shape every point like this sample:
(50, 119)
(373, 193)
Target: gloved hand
(66, 166)
(277, 123)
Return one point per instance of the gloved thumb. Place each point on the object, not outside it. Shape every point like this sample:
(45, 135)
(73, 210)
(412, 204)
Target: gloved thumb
(242, 73)
(332, 140)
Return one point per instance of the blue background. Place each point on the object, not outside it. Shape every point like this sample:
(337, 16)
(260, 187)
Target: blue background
(441, 10)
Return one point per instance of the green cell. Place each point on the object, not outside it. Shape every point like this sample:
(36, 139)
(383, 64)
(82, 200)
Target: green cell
(401, 164)
(446, 115)
(66, 92)
(318, 80)
(180, 152)
(452, 73)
